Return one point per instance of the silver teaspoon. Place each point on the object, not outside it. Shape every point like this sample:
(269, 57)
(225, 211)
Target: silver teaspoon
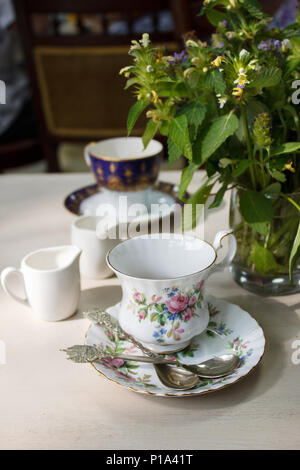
(171, 373)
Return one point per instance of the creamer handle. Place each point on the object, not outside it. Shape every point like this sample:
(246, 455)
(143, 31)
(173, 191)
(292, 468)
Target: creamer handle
(4, 282)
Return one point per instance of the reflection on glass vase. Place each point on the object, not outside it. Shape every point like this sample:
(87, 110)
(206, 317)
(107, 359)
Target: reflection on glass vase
(261, 264)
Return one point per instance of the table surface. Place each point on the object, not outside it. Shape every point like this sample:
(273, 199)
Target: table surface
(50, 403)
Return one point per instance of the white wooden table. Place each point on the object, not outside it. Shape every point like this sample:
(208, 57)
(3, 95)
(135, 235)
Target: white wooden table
(47, 402)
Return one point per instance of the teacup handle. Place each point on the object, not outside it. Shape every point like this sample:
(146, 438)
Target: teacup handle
(231, 250)
(87, 156)
(4, 282)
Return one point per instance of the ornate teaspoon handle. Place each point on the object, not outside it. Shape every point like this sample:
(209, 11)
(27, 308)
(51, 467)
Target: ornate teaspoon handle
(102, 318)
(139, 345)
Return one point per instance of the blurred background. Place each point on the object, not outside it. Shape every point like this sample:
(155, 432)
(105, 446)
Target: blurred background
(60, 61)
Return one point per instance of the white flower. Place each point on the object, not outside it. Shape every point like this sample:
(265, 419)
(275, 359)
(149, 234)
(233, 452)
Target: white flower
(134, 45)
(149, 68)
(286, 45)
(125, 70)
(244, 53)
(222, 101)
(254, 66)
(224, 162)
(145, 41)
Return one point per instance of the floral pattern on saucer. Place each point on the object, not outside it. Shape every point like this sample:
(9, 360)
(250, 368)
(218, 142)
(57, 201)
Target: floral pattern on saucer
(170, 311)
(243, 336)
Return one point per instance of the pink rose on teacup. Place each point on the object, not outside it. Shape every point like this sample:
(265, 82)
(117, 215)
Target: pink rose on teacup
(188, 314)
(115, 362)
(138, 297)
(177, 303)
(192, 300)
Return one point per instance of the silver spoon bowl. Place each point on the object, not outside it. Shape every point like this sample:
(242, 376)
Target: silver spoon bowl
(181, 378)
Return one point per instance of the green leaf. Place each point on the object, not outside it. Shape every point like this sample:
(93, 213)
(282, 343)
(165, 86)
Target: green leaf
(215, 80)
(219, 196)
(191, 214)
(130, 82)
(150, 132)
(218, 82)
(215, 16)
(291, 33)
(277, 175)
(273, 191)
(268, 77)
(288, 147)
(264, 260)
(134, 113)
(179, 134)
(186, 177)
(257, 210)
(213, 137)
(195, 112)
(173, 151)
(254, 8)
(242, 166)
(295, 253)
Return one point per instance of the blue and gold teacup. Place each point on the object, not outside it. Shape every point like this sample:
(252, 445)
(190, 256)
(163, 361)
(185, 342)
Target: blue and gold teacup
(122, 164)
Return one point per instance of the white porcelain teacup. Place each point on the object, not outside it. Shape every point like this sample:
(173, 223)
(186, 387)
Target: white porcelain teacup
(85, 233)
(163, 283)
(51, 280)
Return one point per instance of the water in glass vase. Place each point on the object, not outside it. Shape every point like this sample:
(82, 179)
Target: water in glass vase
(261, 264)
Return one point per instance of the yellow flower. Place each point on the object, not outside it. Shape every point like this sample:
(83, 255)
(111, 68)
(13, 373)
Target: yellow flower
(233, 3)
(218, 61)
(241, 81)
(238, 92)
(155, 96)
(150, 113)
(188, 72)
(191, 43)
(125, 71)
(289, 166)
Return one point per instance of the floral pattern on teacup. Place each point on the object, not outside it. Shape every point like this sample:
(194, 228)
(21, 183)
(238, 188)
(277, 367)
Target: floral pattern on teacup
(170, 311)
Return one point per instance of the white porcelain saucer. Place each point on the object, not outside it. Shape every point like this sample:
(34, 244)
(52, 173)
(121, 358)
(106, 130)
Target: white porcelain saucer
(87, 200)
(237, 332)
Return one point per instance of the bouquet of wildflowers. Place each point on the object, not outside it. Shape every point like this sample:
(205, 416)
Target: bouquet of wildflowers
(231, 104)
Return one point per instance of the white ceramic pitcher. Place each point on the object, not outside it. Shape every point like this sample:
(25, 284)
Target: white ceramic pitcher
(163, 279)
(85, 232)
(51, 280)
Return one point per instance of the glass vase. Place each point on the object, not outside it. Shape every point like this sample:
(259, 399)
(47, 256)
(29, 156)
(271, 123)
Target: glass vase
(261, 264)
